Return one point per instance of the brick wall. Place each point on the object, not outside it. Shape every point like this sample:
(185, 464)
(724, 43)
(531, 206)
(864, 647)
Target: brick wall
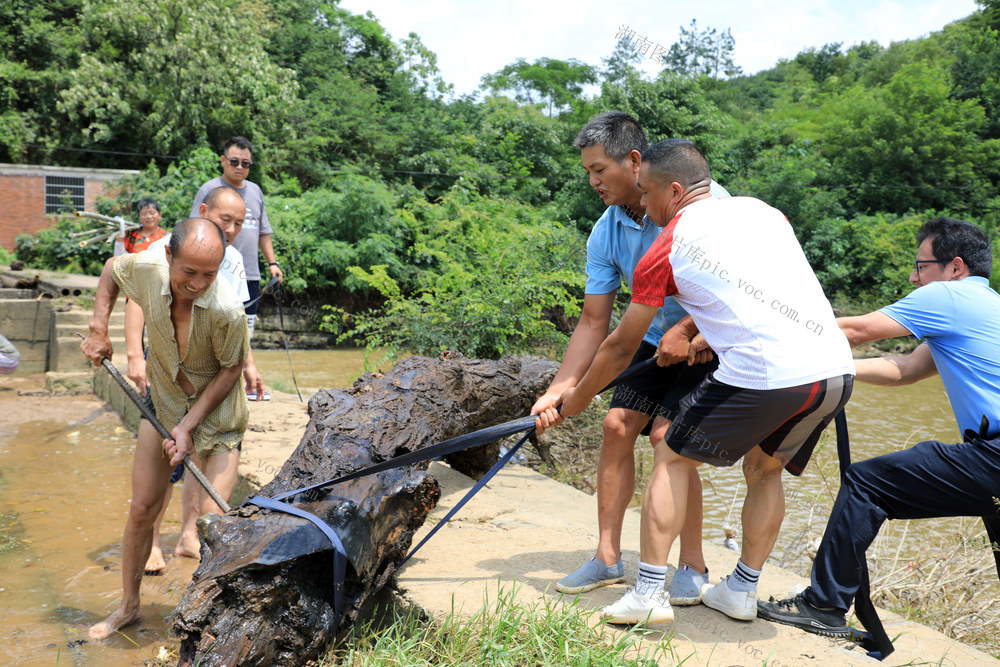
(22, 195)
(22, 206)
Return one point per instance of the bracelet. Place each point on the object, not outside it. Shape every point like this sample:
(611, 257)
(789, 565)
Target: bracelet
(272, 263)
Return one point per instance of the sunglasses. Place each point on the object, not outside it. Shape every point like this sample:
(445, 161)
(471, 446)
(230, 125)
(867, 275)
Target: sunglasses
(236, 162)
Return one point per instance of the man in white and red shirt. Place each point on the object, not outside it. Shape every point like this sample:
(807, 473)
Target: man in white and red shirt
(785, 368)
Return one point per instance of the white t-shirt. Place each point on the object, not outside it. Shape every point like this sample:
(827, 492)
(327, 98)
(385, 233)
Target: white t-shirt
(735, 265)
(231, 268)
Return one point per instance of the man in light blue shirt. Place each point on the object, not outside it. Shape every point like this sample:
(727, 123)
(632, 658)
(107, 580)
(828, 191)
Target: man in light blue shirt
(958, 315)
(610, 148)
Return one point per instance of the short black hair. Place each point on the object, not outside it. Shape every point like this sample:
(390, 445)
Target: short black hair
(677, 160)
(143, 203)
(239, 142)
(615, 131)
(953, 238)
(180, 233)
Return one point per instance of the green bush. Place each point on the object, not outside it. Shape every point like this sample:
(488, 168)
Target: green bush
(492, 273)
(175, 189)
(321, 233)
(53, 248)
(866, 260)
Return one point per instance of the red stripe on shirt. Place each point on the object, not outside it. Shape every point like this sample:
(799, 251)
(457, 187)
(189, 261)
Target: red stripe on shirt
(653, 279)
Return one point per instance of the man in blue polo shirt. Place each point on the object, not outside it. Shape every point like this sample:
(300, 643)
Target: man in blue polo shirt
(958, 316)
(610, 148)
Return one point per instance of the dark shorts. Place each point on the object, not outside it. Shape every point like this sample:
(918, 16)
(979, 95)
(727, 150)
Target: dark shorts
(658, 391)
(253, 287)
(178, 471)
(719, 423)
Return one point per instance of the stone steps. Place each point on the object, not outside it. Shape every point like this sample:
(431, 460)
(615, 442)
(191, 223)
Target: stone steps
(40, 313)
(64, 343)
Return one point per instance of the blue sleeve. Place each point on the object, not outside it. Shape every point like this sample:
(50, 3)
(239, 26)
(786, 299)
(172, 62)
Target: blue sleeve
(603, 276)
(718, 191)
(927, 311)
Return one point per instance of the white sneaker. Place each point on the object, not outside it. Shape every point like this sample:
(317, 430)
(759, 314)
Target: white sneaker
(739, 605)
(635, 608)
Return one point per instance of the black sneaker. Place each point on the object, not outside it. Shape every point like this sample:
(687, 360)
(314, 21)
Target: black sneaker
(796, 611)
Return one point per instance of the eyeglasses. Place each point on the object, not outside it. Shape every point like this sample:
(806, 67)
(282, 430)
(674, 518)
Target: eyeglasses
(236, 162)
(918, 262)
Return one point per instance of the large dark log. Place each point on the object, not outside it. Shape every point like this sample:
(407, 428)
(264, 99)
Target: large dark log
(263, 593)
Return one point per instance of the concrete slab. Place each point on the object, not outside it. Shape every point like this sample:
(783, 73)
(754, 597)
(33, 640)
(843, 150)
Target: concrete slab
(526, 530)
(25, 319)
(81, 382)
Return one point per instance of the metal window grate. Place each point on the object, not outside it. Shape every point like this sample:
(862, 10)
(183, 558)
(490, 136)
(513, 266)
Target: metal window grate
(64, 193)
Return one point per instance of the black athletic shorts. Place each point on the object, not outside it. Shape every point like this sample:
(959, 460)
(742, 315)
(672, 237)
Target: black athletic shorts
(658, 390)
(251, 305)
(719, 423)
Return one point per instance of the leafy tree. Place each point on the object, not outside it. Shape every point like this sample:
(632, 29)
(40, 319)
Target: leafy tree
(164, 76)
(703, 53)
(908, 145)
(670, 107)
(620, 66)
(319, 236)
(496, 271)
(39, 46)
(792, 178)
(824, 62)
(974, 74)
(556, 81)
(865, 261)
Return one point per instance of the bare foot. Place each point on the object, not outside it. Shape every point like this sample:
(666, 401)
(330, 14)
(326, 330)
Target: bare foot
(155, 563)
(114, 622)
(188, 548)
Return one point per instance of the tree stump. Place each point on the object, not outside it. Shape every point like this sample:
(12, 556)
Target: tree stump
(263, 593)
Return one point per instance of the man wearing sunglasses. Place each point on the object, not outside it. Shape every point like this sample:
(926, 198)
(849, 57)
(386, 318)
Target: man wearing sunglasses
(958, 315)
(236, 160)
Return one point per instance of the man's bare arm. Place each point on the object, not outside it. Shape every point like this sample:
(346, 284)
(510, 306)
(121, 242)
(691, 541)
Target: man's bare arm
(612, 358)
(871, 327)
(134, 321)
(897, 371)
(254, 381)
(97, 345)
(266, 246)
(590, 331)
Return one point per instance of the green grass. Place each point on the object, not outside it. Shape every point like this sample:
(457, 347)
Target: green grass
(281, 385)
(505, 632)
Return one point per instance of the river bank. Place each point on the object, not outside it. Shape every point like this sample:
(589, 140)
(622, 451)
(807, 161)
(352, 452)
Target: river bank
(524, 528)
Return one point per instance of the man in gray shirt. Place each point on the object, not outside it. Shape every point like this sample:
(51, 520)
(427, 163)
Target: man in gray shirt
(256, 233)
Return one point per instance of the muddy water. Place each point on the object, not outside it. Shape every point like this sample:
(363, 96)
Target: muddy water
(880, 420)
(314, 369)
(64, 491)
